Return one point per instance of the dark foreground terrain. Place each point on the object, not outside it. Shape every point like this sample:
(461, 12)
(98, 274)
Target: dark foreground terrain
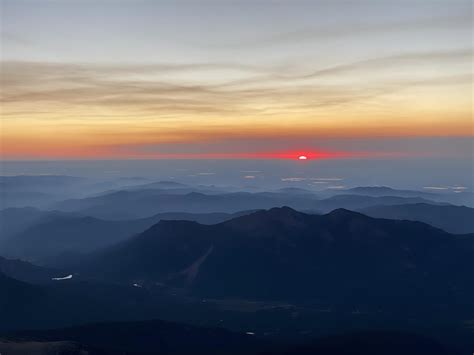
(165, 338)
(361, 272)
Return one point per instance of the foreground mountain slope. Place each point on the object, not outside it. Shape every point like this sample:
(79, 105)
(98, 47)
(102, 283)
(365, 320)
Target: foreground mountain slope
(70, 302)
(160, 337)
(286, 255)
(150, 337)
(24, 271)
(18, 301)
(369, 343)
(453, 219)
(24, 306)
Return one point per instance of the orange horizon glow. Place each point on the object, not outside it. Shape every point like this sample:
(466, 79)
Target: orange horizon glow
(308, 154)
(37, 141)
(66, 122)
(147, 84)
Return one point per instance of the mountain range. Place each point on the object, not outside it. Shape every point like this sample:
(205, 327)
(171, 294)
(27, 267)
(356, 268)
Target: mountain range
(135, 265)
(144, 337)
(282, 254)
(47, 234)
(304, 271)
(453, 219)
(118, 205)
(379, 191)
(165, 338)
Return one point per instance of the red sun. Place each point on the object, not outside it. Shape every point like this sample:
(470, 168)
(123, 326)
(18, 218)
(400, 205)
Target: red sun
(302, 157)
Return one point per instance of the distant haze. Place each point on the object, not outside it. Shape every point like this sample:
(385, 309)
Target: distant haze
(430, 174)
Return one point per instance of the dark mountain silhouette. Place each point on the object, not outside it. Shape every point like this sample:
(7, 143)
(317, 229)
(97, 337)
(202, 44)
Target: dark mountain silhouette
(343, 258)
(355, 266)
(145, 337)
(25, 347)
(51, 234)
(18, 301)
(74, 302)
(160, 337)
(70, 302)
(369, 343)
(24, 271)
(13, 289)
(453, 219)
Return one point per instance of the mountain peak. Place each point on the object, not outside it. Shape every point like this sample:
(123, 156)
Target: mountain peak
(282, 216)
(344, 213)
(281, 211)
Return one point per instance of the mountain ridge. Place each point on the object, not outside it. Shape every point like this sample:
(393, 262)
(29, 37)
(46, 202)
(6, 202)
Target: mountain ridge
(275, 253)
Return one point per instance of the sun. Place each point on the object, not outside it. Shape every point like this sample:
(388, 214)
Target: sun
(302, 157)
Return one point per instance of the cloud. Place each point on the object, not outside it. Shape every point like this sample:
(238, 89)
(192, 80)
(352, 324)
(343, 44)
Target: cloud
(312, 180)
(327, 179)
(293, 179)
(355, 29)
(369, 65)
(152, 90)
(15, 38)
(154, 110)
(441, 56)
(456, 189)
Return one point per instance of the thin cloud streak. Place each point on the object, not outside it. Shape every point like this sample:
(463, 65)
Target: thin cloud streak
(355, 29)
(111, 87)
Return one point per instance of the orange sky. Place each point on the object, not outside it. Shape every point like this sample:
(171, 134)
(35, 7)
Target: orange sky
(402, 72)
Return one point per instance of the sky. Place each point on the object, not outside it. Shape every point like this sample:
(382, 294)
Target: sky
(136, 79)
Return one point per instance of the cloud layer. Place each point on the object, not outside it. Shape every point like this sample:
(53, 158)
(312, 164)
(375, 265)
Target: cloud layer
(146, 79)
